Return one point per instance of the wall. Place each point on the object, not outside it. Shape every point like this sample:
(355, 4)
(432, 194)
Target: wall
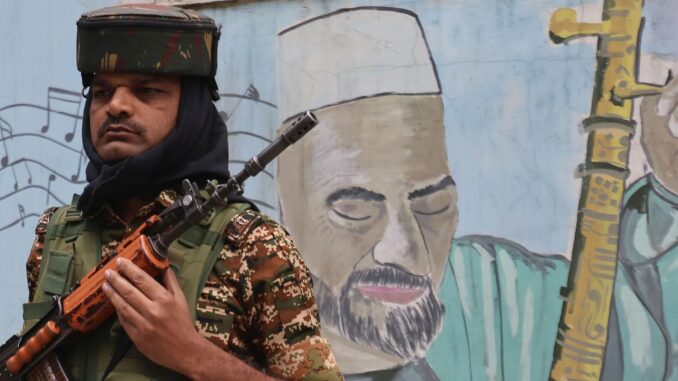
(507, 103)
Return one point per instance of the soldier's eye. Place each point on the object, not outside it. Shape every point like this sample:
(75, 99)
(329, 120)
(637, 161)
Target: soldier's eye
(100, 93)
(150, 90)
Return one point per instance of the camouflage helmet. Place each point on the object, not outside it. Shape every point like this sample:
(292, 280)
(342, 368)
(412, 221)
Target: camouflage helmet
(147, 38)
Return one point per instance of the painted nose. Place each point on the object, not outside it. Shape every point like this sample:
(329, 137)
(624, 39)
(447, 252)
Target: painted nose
(403, 244)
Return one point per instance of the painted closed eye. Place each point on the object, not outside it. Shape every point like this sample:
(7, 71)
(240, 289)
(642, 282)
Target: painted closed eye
(434, 204)
(352, 217)
(432, 212)
(355, 215)
(354, 210)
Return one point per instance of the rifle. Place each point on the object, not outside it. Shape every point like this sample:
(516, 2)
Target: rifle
(85, 307)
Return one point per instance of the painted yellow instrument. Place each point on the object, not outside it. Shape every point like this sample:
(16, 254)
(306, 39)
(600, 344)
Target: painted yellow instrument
(582, 332)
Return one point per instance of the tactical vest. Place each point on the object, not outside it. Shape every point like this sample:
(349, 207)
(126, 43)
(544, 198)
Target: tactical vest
(73, 246)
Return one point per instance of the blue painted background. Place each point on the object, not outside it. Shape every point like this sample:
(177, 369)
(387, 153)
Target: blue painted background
(513, 101)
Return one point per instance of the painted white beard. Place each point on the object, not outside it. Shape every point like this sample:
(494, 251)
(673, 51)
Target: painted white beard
(405, 331)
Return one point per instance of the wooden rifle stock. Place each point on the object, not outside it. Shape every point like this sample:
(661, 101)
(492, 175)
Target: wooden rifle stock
(87, 307)
(83, 310)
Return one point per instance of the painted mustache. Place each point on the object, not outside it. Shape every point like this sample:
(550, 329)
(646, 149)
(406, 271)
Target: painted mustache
(390, 285)
(123, 122)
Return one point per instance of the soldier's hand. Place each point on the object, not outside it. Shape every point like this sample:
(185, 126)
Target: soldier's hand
(659, 134)
(156, 318)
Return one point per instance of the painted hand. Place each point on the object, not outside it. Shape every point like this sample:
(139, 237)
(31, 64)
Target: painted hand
(156, 318)
(659, 134)
(666, 106)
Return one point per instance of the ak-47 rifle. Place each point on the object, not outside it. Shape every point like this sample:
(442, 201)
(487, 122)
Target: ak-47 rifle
(85, 307)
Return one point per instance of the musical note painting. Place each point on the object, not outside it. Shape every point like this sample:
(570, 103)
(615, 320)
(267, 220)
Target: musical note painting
(40, 156)
(491, 192)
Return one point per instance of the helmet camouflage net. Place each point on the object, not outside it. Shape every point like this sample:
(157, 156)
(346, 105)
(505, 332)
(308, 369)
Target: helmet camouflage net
(147, 38)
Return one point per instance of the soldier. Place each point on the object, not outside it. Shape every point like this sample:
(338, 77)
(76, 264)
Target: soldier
(149, 122)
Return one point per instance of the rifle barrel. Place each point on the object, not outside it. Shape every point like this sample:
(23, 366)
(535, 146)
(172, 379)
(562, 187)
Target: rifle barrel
(292, 134)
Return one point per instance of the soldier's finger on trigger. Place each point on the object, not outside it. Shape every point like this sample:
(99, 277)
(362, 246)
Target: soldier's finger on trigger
(139, 278)
(128, 293)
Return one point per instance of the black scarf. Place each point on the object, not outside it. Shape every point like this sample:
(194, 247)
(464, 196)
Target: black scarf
(196, 148)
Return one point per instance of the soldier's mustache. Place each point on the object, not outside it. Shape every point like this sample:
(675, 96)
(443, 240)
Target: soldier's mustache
(123, 121)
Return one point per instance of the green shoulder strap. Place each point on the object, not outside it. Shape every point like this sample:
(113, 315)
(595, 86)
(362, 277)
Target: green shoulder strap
(59, 264)
(194, 253)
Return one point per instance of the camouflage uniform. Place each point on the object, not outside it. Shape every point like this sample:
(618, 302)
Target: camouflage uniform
(274, 328)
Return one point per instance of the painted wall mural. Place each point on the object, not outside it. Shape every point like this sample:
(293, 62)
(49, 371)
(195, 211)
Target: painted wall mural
(370, 197)
(436, 204)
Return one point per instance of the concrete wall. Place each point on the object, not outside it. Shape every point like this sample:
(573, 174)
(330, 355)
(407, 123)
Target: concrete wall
(512, 103)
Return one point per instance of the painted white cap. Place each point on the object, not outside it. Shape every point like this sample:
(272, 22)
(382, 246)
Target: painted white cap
(351, 54)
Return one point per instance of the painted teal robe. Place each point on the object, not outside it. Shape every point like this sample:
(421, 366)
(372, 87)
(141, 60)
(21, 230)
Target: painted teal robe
(643, 336)
(502, 302)
(502, 307)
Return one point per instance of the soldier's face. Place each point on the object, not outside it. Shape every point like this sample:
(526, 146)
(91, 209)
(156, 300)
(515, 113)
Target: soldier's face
(369, 198)
(131, 113)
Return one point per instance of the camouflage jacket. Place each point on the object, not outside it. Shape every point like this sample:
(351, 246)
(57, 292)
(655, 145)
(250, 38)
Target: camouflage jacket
(268, 332)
